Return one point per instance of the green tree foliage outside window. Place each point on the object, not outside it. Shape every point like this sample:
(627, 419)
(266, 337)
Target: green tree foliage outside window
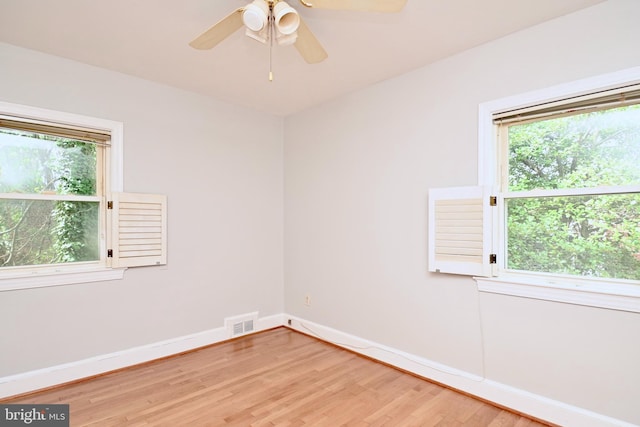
(47, 228)
(596, 234)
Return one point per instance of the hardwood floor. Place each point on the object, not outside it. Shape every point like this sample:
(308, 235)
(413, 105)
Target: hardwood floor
(275, 378)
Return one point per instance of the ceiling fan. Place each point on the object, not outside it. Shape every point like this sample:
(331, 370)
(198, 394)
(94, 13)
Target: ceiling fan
(275, 20)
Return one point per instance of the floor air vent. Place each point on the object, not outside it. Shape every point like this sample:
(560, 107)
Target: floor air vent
(240, 325)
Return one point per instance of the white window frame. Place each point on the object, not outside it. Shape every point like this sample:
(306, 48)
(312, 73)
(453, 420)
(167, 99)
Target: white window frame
(603, 293)
(69, 274)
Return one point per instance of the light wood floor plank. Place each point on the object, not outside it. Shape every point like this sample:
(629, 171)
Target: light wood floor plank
(274, 378)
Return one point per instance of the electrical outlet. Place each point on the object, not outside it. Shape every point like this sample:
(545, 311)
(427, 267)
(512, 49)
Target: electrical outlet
(307, 300)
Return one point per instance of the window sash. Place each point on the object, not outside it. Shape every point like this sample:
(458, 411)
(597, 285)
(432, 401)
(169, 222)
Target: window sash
(502, 137)
(589, 191)
(100, 138)
(57, 197)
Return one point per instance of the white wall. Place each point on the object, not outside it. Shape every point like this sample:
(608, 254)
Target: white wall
(223, 179)
(357, 171)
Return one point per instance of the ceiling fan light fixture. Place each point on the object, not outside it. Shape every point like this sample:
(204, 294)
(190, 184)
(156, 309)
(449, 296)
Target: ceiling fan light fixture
(286, 39)
(256, 15)
(261, 36)
(286, 18)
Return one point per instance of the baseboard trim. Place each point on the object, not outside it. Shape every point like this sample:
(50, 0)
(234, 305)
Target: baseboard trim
(536, 406)
(39, 379)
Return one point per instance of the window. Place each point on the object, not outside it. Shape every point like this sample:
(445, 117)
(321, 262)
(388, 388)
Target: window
(51, 186)
(62, 214)
(570, 183)
(557, 217)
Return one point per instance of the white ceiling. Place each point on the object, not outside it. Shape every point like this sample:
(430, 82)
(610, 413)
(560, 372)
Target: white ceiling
(149, 39)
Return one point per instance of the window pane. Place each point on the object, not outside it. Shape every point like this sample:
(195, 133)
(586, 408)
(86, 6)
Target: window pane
(578, 151)
(38, 163)
(48, 232)
(595, 236)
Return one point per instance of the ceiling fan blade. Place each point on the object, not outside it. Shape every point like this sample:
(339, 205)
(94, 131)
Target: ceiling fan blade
(219, 31)
(309, 46)
(386, 6)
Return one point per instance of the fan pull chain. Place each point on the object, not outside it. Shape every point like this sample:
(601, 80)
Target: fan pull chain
(271, 36)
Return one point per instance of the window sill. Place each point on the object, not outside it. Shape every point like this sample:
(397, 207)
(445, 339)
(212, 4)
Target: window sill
(613, 296)
(12, 282)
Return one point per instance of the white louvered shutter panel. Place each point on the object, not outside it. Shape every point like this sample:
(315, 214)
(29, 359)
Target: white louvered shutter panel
(460, 231)
(139, 229)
